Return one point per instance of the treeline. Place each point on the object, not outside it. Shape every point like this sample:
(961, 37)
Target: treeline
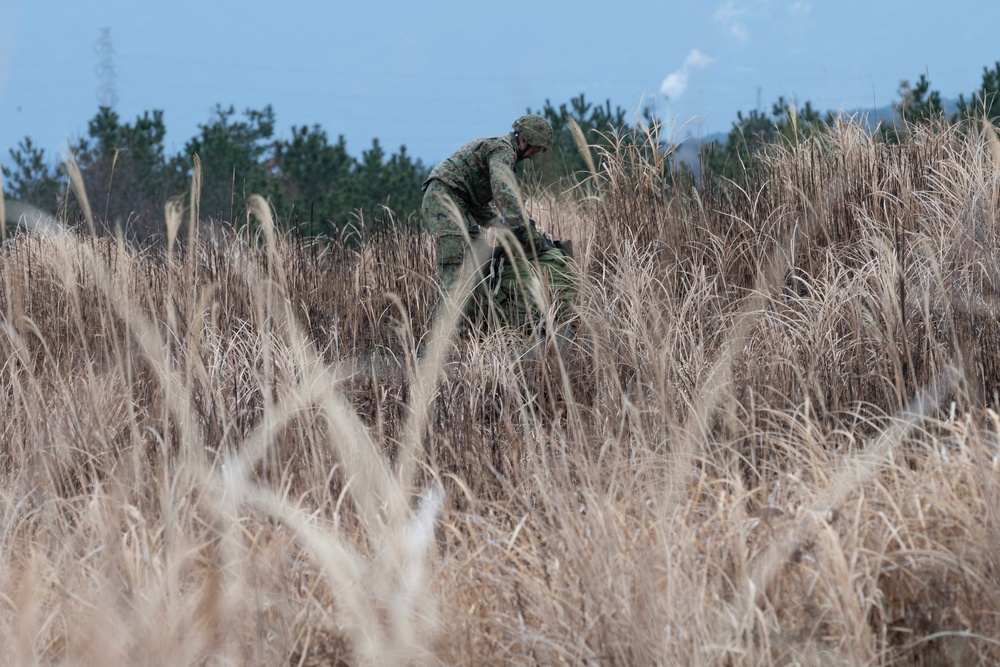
(316, 186)
(313, 183)
(917, 105)
(733, 160)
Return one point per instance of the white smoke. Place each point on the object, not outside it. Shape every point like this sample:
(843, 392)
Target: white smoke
(676, 82)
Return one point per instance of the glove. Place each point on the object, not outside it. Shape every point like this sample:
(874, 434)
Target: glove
(532, 241)
(523, 237)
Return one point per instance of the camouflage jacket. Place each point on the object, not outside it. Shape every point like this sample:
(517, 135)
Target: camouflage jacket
(484, 171)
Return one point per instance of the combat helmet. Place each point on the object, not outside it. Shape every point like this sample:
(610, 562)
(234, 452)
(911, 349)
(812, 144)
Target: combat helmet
(535, 130)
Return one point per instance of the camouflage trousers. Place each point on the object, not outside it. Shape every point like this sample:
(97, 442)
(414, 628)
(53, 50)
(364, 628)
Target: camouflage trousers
(450, 221)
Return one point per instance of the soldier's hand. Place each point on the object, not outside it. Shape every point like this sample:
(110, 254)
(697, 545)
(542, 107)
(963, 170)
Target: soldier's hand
(522, 235)
(532, 242)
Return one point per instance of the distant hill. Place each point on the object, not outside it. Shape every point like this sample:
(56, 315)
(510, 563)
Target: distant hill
(887, 114)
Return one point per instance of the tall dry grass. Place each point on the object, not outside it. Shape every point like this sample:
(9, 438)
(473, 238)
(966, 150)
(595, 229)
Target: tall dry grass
(771, 440)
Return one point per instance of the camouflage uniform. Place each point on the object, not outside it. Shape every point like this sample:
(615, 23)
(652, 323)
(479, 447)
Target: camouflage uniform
(477, 182)
(476, 187)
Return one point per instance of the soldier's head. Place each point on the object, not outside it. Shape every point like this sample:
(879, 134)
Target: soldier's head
(533, 134)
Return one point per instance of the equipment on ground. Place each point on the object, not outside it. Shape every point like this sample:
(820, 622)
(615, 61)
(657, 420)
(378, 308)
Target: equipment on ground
(531, 285)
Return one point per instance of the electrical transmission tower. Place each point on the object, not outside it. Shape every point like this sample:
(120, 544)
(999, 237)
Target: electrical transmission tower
(107, 91)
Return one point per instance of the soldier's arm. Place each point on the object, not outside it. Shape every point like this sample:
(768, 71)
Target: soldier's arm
(506, 193)
(485, 215)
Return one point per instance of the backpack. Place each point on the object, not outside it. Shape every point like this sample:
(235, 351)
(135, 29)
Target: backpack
(528, 288)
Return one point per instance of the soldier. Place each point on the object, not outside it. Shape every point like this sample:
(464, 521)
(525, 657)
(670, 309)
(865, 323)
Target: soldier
(476, 187)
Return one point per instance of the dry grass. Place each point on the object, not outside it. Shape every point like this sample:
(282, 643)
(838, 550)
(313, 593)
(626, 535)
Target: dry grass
(773, 439)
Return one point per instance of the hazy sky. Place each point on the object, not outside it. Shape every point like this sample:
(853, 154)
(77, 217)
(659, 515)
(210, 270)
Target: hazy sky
(434, 74)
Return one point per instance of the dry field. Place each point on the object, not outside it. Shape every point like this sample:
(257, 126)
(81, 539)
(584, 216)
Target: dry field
(772, 440)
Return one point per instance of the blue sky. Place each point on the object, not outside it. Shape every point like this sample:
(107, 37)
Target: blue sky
(434, 74)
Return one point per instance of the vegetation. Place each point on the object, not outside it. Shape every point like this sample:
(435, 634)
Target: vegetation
(316, 187)
(754, 132)
(918, 105)
(772, 438)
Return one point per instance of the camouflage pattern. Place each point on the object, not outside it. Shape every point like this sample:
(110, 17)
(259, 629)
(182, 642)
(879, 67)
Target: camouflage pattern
(535, 129)
(525, 292)
(477, 182)
(439, 209)
(476, 187)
